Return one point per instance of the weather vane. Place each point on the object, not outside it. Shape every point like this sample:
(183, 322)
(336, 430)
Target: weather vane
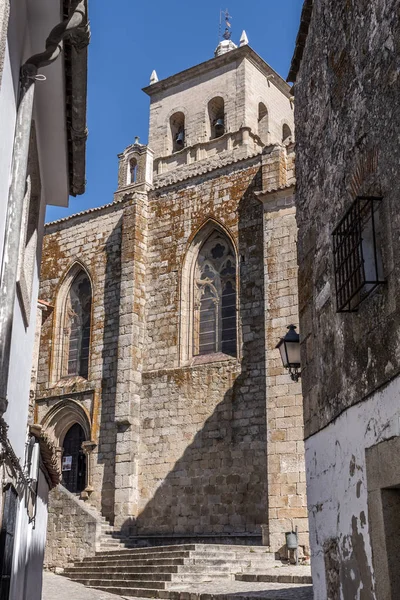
(224, 14)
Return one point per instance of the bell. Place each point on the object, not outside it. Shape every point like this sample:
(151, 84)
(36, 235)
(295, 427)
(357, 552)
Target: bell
(219, 126)
(180, 138)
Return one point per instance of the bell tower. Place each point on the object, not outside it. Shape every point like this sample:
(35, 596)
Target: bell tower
(230, 106)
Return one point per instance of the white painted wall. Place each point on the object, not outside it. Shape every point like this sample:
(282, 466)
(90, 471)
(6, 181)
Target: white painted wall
(29, 547)
(335, 496)
(30, 23)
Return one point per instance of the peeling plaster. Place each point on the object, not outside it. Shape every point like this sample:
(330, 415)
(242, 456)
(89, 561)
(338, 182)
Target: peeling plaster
(337, 495)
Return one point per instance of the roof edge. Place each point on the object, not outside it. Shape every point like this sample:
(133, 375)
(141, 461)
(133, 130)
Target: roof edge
(76, 70)
(301, 40)
(215, 62)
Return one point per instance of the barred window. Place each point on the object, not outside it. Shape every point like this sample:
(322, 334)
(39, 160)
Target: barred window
(356, 251)
(215, 298)
(77, 327)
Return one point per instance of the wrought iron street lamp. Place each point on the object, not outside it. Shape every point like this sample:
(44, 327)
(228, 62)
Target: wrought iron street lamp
(289, 347)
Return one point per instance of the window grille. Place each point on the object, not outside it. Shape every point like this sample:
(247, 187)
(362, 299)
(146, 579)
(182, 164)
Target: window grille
(357, 260)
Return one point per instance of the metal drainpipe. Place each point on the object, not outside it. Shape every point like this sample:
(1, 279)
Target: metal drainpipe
(29, 73)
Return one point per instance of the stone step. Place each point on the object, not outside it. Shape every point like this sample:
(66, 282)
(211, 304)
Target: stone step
(211, 562)
(190, 568)
(276, 577)
(133, 592)
(158, 541)
(202, 577)
(122, 576)
(183, 552)
(200, 548)
(120, 583)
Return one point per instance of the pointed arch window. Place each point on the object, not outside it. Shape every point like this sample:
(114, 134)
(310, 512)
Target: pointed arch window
(214, 318)
(77, 323)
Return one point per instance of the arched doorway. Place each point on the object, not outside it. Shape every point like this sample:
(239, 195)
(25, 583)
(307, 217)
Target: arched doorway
(74, 460)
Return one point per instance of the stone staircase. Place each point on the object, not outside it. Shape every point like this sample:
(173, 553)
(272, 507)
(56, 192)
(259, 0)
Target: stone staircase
(155, 572)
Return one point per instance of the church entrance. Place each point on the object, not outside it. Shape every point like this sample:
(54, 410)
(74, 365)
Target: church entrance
(74, 460)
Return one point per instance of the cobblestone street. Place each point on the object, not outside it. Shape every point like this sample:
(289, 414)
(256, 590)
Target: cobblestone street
(61, 588)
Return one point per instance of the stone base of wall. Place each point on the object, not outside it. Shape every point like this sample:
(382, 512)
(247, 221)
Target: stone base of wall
(73, 530)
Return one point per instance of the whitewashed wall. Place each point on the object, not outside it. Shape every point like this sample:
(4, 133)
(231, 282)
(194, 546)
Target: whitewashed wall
(336, 479)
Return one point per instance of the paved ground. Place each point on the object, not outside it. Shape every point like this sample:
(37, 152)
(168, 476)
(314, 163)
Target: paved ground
(56, 587)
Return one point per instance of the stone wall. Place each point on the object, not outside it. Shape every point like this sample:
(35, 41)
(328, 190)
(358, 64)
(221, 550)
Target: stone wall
(73, 530)
(347, 131)
(203, 428)
(286, 468)
(242, 79)
(93, 239)
(181, 444)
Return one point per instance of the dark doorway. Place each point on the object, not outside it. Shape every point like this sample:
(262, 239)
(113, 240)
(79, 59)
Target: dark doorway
(74, 460)
(7, 536)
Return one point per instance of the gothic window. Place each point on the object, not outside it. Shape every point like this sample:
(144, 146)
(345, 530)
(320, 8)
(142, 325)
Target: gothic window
(216, 115)
(263, 122)
(77, 318)
(133, 168)
(177, 127)
(286, 134)
(214, 319)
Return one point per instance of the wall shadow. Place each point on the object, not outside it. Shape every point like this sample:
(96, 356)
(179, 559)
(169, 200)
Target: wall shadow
(107, 438)
(218, 486)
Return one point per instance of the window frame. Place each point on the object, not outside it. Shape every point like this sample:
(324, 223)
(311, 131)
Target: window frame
(352, 285)
(58, 358)
(187, 320)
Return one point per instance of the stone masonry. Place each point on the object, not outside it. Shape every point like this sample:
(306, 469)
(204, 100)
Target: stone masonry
(184, 445)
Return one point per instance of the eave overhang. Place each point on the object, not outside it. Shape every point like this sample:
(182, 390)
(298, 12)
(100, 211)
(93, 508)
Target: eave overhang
(301, 40)
(75, 66)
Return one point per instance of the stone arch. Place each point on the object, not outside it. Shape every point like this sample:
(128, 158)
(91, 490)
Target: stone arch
(194, 245)
(263, 122)
(56, 370)
(169, 146)
(62, 416)
(132, 170)
(216, 117)
(177, 131)
(287, 134)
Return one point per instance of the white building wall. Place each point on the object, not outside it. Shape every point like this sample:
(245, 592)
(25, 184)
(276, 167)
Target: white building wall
(336, 481)
(36, 548)
(30, 23)
(29, 547)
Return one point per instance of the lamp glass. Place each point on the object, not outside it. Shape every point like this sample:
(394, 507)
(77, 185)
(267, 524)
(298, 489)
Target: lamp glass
(293, 354)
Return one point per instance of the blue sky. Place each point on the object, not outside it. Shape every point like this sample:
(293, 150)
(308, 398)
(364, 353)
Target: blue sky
(130, 39)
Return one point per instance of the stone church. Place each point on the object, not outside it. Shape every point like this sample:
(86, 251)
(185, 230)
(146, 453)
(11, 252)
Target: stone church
(158, 376)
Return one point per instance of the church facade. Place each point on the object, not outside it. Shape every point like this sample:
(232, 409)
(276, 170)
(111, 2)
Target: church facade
(158, 377)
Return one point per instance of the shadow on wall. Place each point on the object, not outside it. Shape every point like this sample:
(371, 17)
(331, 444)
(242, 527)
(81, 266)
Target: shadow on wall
(107, 432)
(26, 580)
(219, 483)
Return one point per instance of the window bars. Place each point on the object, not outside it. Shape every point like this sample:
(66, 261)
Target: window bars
(357, 260)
